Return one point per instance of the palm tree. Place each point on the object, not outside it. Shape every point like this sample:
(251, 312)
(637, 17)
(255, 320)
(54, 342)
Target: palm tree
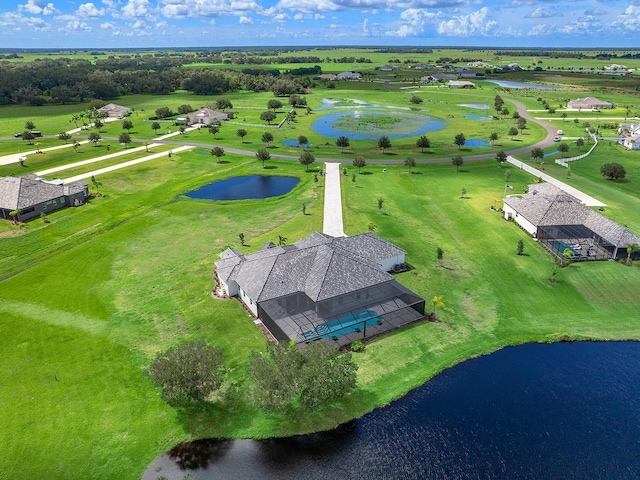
(631, 249)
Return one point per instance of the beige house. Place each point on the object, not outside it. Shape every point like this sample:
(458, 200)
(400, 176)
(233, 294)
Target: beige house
(207, 116)
(589, 103)
(115, 111)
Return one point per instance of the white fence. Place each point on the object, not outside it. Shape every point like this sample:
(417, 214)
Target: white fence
(564, 161)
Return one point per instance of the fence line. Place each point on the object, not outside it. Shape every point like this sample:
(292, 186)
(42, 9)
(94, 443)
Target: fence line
(563, 161)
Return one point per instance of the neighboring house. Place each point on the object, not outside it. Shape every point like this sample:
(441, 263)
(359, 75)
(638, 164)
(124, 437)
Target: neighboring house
(460, 84)
(31, 196)
(115, 111)
(322, 287)
(348, 76)
(629, 135)
(616, 66)
(386, 68)
(421, 66)
(438, 77)
(588, 103)
(560, 221)
(206, 116)
(466, 72)
(478, 64)
(327, 76)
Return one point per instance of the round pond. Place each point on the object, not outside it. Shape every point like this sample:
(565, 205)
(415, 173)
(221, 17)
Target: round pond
(249, 187)
(371, 124)
(566, 410)
(475, 116)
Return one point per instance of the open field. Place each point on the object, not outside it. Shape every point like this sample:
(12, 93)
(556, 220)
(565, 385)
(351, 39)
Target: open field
(88, 299)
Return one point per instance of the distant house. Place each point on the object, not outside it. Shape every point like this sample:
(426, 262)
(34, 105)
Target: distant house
(31, 196)
(629, 135)
(206, 116)
(421, 66)
(327, 76)
(560, 222)
(588, 103)
(438, 77)
(460, 84)
(115, 111)
(348, 76)
(466, 72)
(478, 64)
(322, 287)
(386, 68)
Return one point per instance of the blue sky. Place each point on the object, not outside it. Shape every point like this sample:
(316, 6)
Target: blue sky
(184, 23)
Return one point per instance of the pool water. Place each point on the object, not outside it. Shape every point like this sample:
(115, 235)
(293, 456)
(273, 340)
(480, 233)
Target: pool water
(344, 325)
(560, 247)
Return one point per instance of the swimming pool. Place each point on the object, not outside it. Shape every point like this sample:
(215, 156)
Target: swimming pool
(344, 325)
(560, 247)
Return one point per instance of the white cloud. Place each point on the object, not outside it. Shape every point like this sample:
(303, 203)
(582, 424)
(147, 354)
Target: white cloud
(246, 20)
(209, 8)
(298, 16)
(629, 20)
(596, 12)
(539, 13)
(38, 7)
(107, 26)
(542, 30)
(75, 26)
(365, 26)
(476, 23)
(138, 9)
(14, 20)
(89, 10)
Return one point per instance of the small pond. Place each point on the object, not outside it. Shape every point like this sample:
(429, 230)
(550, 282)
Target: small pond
(477, 106)
(473, 116)
(511, 84)
(566, 410)
(475, 142)
(372, 124)
(249, 187)
(294, 143)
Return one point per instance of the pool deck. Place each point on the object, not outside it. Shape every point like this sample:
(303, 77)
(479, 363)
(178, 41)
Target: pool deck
(332, 223)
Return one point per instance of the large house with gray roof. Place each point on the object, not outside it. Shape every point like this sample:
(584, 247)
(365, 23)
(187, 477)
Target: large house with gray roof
(30, 196)
(561, 222)
(322, 287)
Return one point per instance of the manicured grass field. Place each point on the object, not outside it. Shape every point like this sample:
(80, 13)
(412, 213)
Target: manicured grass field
(88, 299)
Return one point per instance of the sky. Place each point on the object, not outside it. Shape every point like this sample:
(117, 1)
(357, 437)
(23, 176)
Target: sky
(213, 23)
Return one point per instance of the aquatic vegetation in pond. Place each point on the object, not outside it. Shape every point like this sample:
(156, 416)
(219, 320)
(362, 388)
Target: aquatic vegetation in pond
(370, 125)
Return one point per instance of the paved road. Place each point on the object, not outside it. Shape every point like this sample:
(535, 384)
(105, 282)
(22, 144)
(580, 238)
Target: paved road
(332, 220)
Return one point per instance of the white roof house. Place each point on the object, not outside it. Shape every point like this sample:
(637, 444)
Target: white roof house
(348, 76)
(322, 287)
(206, 116)
(588, 103)
(461, 84)
(629, 135)
(115, 111)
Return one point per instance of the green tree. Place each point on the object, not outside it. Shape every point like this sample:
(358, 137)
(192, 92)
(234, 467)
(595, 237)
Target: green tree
(94, 137)
(267, 137)
(163, 112)
(96, 184)
(127, 125)
(423, 143)
(416, 100)
(188, 373)
(520, 248)
(631, 249)
(306, 159)
(537, 153)
(580, 143)
(613, 171)
(459, 140)
(29, 125)
(493, 137)
(457, 162)
(504, 111)
(359, 162)
(124, 138)
(439, 253)
(513, 131)
(241, 238)
(501, 157)
(410, 162)
(184, 109)
(384, 143)
(14, 215)
(223, 104)
(276, 376)
(263, 155)
(437, 302)
(28, 136)
(217, 152)
(268, 116)
(64, 136)
(353, 180)
(380, 204)
(155, 126)
(564, 116)
(563, 148)
(302, 141)
(214, 128)
(241, 132)
(274, 104)
(342, 142)
(98, 124)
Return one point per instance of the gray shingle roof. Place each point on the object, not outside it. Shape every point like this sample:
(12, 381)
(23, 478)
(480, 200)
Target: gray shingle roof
(319, 265)
(29, 190)
(546, 205)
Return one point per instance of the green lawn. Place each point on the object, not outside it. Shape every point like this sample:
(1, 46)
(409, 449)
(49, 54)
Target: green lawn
(88, 299)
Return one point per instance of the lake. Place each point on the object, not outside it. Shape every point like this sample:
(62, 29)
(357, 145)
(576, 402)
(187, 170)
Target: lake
(511, 84)
(539, 411)
(371, 124)
(248, 187)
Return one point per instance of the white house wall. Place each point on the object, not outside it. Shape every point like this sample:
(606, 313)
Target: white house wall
(246, 299)
(387, 264)
(511, 214)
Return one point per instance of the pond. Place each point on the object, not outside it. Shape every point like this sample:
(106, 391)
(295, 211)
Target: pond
(295, 143)
(511, 84)
(566, 410)
(248, 187)
(477, 106)
(475, 142)
(474, 116)
(372, 124)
